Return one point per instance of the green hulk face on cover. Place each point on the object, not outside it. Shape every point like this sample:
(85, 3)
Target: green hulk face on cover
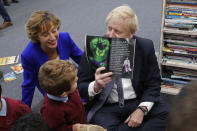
(100, 48)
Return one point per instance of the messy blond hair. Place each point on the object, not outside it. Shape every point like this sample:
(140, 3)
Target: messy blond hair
(56, 76)
(126, 13)
(40, 21)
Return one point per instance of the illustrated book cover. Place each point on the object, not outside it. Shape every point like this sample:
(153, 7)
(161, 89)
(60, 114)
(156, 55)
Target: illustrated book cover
(10, 76)
(17, 68)
(9, 60)
(116, 54)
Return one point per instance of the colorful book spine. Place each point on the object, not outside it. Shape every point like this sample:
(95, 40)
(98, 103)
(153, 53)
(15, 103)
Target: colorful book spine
(175, 81)
(186, 2)
(179, 17)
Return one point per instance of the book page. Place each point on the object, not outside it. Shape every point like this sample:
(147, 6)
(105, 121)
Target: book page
(121, 61)
(116, 54)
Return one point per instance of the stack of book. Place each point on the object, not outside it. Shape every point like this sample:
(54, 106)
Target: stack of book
(179, 16)
(179, 45)
(180, 48)
(187, 2)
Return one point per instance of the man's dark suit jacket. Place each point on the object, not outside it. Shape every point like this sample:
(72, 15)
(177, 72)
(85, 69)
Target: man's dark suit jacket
(146, 76)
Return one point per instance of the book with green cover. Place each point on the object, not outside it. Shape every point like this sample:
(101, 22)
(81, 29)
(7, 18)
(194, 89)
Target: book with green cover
(116, 54)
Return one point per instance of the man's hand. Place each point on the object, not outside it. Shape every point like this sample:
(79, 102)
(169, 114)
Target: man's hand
(135, 119)
(101, 79)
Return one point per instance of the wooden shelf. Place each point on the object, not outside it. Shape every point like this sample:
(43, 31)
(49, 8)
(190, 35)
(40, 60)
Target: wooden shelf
(180, 65)
(179, 54)
(176, 63)
(182, 32)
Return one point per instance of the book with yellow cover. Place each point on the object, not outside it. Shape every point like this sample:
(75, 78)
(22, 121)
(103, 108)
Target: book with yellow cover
(9, 60)
(10, 76)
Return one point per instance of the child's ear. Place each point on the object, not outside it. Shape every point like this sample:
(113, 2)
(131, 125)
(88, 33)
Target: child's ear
(63, 94)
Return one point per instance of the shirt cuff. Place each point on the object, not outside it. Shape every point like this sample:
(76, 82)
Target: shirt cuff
(91, 91)
(148, 105)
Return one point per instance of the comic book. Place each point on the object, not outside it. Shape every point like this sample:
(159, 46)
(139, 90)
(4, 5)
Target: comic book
(9, 76)
(17, 68)
(116, 54)
(9, 60)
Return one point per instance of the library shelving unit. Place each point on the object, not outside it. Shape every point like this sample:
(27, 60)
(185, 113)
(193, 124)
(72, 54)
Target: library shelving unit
(178, 44)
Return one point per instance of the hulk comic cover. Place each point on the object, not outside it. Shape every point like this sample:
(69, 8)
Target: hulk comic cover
(116, 54)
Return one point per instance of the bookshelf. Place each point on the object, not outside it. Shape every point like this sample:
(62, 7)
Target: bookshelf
(178, 44)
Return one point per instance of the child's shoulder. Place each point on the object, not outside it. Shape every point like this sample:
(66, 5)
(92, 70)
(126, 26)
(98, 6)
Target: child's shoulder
(75, 99)
(14, 105)
(14, 110)
(11, 102)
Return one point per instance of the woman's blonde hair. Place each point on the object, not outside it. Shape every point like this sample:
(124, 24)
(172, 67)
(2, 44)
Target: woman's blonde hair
(40, 21)
(126, 13)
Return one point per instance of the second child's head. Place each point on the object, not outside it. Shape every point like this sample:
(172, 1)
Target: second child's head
(57, 77)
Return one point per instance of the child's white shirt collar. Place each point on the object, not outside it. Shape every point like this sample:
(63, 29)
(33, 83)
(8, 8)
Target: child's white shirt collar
(62, 99)
(3, 111)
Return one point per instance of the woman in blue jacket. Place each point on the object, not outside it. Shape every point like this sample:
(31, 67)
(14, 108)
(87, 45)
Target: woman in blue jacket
(46, 43)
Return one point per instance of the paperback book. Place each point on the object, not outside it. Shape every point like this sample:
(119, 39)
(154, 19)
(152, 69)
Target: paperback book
(10, 76)
(9, 60)
(170, 89)
(170, 86)
(17, 68)
(116, 54)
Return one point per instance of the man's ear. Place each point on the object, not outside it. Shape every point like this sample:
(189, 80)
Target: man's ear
(131, 35)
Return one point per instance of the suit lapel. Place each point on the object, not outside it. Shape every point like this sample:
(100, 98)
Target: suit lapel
(137, 65)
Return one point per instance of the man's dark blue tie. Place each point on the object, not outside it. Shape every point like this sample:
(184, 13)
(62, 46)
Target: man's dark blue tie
(103, 96)
(118, 81)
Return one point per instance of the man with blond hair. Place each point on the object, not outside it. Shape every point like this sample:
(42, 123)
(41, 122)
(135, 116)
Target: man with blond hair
(139, 108)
